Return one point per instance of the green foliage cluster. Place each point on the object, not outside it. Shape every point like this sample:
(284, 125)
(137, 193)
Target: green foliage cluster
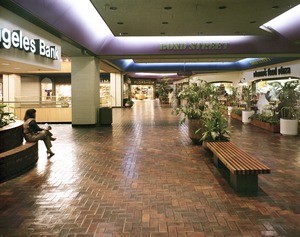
(247, 96)
(265, 118)
(288, 95)
(196, 97)
(216, 125)
(163, 91)
(5, 117)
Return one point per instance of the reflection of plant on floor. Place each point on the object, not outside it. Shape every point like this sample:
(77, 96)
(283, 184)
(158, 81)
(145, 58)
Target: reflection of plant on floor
(5, 117)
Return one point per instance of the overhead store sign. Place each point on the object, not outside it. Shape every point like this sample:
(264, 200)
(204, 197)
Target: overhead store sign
(193, 46)
(272, 72)
(15, 39)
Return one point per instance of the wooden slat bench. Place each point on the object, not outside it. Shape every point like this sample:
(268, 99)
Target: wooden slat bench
(243, 168)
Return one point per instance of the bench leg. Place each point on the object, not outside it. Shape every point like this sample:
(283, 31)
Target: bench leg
(244, 183)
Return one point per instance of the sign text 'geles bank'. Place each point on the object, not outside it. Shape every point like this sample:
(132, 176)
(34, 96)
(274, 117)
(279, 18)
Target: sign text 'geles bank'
(16, 39)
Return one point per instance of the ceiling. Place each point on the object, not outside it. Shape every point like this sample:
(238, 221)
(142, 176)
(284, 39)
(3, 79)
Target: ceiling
(189, 17)
(165, 18)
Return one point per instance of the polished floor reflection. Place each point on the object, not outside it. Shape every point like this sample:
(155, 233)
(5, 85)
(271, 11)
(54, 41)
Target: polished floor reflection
(142, 177)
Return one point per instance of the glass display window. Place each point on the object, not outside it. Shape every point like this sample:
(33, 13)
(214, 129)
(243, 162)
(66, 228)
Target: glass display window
(47, 89)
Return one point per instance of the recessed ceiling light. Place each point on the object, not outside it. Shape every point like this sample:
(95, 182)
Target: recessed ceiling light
(17, 68)
(124, 33)
(252, 22)
(5, 64)
(113, 8)
(120, 23)
(162, 33)
(209, 22)
(168, 8)
(165, 23)
(222, 7)
(275, 7)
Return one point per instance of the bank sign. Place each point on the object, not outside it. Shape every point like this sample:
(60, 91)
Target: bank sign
(16, 39)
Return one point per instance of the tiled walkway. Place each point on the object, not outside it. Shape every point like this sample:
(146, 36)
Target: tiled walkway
(143, 177)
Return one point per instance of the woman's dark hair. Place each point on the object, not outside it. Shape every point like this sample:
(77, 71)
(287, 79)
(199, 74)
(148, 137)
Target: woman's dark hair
(30, 113)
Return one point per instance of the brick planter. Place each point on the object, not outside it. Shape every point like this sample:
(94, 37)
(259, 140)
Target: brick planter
(275, 128)
(236, 116)
(18, 160)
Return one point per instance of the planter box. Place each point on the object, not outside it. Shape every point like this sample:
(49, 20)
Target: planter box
(275, 128)
(236, 116)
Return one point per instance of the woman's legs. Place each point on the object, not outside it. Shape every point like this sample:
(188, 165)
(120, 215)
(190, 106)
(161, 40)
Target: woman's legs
(46, 137)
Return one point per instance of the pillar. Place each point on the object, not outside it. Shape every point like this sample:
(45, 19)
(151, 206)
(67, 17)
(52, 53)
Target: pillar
(116, 89)
(11, 88)
(85, 90)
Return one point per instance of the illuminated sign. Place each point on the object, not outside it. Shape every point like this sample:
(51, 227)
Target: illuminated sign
(272, 72)
(193, 46)
(16, 39)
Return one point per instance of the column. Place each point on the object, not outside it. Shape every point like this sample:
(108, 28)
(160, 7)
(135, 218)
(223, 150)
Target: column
(11, 88)
(116, 89)
(85, 90)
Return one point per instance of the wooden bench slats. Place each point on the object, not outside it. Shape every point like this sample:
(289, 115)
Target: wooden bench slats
(246, 163)
(236, 160)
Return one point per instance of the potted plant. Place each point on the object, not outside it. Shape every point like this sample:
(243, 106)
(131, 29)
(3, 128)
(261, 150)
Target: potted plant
(288, 95)
(266, 121)
(163, 91)
(64, 101)
(196, 97)
(215, 126)
(232, 99)
(247, 98)
(129, 103)
(5, 117)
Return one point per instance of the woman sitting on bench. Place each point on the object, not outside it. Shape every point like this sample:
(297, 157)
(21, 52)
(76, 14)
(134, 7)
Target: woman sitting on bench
(33, 133)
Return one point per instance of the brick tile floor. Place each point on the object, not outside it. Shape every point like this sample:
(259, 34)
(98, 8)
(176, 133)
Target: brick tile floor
(143, 177)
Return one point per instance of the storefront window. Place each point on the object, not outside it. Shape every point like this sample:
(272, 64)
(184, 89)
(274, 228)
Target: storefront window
(47, 89)
(63, 94)
(267, 87)
(105, 94)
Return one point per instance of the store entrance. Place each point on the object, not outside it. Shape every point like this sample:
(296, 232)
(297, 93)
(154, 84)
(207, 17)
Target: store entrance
(141, 92)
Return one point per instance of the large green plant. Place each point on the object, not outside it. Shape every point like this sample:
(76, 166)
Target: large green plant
(163, 90)
(196, 97)
(5, 117)
(288, 95)
(247, 96)
(232, 98)
(216, 125)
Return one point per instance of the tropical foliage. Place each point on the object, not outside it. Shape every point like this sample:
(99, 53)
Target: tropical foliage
(288, 95)
(272, 119)
(163, 90)
(5, 117)
(247, 96)
(216, 125)
(196, 96)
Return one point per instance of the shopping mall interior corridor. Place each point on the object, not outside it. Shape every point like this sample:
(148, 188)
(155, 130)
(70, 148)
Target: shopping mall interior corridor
(143, 177)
